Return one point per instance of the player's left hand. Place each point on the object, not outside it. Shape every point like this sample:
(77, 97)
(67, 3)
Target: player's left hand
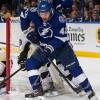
(22, 59)
(32, 37)
(48, 49)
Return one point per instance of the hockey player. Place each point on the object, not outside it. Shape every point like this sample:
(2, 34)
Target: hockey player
(46, 79)
(62, 6)
(2, 76)
(2, 63)
(47, 82)
(50, 30)
(2, 70)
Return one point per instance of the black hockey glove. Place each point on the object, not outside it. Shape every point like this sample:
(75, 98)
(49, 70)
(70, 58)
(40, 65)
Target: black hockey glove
(48, 50)
(59, 7)
(23, 55)
(31, 35)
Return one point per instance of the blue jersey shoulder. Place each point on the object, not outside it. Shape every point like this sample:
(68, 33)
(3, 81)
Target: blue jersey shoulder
(27, 16)
(58, 18)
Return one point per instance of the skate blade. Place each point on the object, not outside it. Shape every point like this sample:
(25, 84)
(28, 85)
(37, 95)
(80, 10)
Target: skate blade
(34, 98)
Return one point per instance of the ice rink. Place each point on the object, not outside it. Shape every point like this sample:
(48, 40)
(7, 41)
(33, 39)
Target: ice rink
(90, 66)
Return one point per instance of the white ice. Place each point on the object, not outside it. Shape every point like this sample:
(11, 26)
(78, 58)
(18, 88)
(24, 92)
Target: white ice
(90, 66)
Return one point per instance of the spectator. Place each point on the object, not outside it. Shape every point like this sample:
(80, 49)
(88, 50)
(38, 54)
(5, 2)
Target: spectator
(2, 19)
(96, 17)
(97, 8)
(90, 4)
(5, 11)
(85, 13)
(74, 7)
(33, 3)
(90, 17)
(26, 4)
(14, 14)
(74, 16)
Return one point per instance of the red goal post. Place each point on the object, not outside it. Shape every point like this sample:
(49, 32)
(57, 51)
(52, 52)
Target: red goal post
(8, 54)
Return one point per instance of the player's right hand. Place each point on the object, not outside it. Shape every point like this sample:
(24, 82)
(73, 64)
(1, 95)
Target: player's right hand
(30, 34)
(22, 59)
(23, 55)
(30, 29)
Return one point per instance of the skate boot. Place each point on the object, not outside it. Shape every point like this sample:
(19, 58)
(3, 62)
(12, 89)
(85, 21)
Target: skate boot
(36, 93)
(51, 91)
(92, 96)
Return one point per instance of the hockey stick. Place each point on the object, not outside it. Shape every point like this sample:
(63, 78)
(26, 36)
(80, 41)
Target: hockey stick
(77, 90)
(10, 44)
(7, 78)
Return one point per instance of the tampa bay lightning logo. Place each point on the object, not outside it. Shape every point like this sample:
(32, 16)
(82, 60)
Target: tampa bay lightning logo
(45, 31)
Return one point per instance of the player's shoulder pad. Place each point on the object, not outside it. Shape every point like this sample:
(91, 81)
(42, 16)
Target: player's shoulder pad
(62, 19)
(24, 13)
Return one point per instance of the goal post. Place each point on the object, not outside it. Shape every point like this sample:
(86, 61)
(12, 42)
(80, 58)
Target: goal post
(8, 54)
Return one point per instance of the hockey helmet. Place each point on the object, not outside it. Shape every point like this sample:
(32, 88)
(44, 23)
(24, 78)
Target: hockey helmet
(44, 6)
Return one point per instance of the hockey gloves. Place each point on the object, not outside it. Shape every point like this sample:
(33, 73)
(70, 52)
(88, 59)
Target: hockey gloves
(31, 35)
(48, 50)
(23, 55)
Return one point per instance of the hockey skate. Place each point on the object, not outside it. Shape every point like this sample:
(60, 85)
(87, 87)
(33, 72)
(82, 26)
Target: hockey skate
(92, 96)
(51, 91)
(36, 93)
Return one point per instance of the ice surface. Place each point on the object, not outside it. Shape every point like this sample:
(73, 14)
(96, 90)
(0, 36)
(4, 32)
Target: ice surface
(90, 66)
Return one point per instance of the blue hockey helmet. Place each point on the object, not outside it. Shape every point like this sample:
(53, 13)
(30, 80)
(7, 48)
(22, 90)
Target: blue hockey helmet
(44, 6)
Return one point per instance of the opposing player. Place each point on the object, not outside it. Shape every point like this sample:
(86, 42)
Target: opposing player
(2, 70)
(2, 63)
(50, 31)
